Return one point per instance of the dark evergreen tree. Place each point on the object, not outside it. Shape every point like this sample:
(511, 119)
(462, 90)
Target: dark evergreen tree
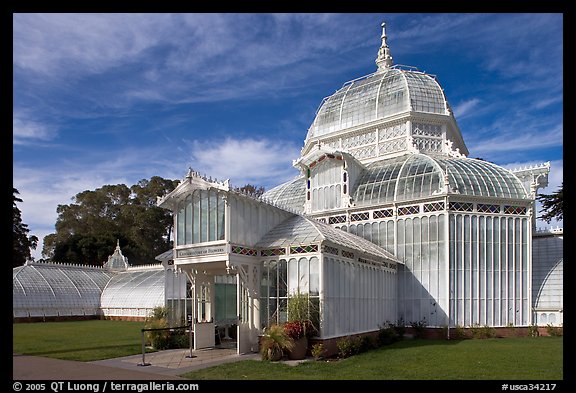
(23, 244)
(552, 205)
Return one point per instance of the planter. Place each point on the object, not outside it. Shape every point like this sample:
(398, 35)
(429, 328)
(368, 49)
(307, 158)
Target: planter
(299, 350)
(274, 354)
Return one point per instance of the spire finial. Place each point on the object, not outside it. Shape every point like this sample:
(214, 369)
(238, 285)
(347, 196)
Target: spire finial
(384, 59)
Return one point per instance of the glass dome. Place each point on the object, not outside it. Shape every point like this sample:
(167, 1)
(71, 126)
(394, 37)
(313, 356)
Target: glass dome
(135, 289)
(377, 96)
(417, 175)
(41, 290)
(290, 195)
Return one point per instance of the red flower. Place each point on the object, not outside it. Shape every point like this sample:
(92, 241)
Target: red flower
(299, 329)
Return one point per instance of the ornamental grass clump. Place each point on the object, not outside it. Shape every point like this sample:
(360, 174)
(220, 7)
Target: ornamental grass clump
(274, 343)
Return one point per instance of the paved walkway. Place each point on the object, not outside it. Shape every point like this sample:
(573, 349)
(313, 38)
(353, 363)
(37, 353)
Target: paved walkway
(161, 365)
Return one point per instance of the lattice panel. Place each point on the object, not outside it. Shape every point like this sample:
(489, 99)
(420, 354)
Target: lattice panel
(514, 210)
(406, 210)
(336, 219)
(333, 144)
(392, 132)
(484, 208)
(273, 251)
(427, 144)
(244, 251)
(433, 207)
(331, 250)
(427, 130)
(461, 206)
(359, 140)
(303, 249)
(392, 146)
(383, 213)
(347, 254)
(368, 151)
(359, 216)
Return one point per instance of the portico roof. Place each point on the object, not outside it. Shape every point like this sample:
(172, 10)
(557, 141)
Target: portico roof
(299, 230)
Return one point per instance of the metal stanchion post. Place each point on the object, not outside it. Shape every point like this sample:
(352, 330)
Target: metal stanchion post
(191, 340)
(143, 352)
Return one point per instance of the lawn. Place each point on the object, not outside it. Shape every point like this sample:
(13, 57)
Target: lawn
(79, 340)
(529, 358)
(479, 359)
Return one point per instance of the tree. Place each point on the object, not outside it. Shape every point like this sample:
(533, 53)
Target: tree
(252, 190)
(552, 205)
(22, 243)
(87, 229)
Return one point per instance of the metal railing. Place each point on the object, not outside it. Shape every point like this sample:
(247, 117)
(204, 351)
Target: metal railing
(157, 329)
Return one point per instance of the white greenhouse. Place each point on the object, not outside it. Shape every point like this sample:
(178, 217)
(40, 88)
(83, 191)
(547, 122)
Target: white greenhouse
(388, 220)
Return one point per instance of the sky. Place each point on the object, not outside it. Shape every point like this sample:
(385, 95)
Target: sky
(115, 98)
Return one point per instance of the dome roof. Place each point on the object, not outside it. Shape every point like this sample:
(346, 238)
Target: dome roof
(415, 176)
(385, 93)
(48, 289)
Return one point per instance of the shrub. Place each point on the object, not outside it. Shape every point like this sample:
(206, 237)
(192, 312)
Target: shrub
(399, 328)
(386, 336)
(348, 346)
(458, 333)
(482, 331)
(158, 339)
(179, 339)
(419, 328)
(366, 343)
(553, 330)
(165, 338)
(318, 350)
(533, 331)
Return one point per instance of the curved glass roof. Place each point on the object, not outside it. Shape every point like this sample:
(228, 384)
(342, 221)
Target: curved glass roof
(47, 289)
(377, 96)
(290, 195)
(417, 175)
(135, 289)
(299, 230)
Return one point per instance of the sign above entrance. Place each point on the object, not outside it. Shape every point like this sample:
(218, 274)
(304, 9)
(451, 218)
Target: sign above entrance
(200, 251)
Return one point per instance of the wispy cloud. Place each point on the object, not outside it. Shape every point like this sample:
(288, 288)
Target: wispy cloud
(261, 162)
(26, 130)
(464, 108)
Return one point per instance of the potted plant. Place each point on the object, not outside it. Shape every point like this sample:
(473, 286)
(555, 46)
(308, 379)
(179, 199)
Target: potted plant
(274, 342)
(299, 326)
(299, 332)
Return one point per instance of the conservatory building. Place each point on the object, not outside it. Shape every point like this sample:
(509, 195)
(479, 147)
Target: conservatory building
(387, 220)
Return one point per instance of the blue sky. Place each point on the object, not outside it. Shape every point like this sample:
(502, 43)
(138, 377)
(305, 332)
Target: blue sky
(114, 98)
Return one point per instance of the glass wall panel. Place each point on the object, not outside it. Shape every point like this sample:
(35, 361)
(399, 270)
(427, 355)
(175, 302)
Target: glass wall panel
(188, 239)
(180, 221)
(201, 218)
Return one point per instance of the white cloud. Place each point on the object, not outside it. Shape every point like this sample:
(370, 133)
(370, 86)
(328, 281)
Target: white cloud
(260, 162)
(25, 130)
(519, 139)
(63, 44)
(464, 108)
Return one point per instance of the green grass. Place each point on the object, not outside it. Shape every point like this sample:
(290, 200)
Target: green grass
(79, 340)
(530, 358)
(508, 359)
